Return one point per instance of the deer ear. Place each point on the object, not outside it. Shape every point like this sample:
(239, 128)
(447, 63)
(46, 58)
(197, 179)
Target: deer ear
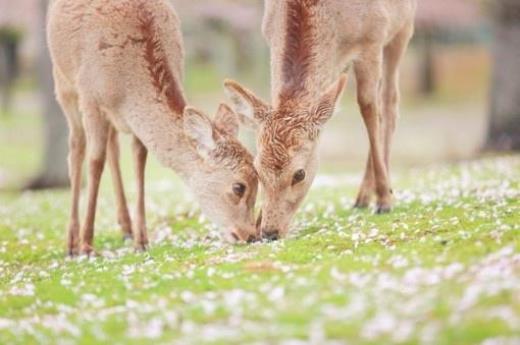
(248, 122)
(245, 103)
(324, 110)
(198, 127)
(226, 120)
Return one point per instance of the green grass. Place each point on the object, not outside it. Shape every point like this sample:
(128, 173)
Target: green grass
(20, 144)
(442, 268)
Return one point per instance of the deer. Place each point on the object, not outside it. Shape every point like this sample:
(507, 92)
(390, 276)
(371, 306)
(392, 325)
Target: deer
(312, 43)
(118, 68)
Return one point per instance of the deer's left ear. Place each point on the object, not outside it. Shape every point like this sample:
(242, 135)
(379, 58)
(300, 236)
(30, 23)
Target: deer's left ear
(324, 110)
(226, 120)
(199, 129)
(251, 109)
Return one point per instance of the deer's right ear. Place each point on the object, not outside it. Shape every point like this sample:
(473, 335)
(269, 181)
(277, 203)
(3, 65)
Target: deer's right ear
(248, 122)
(199, 129)
(252, 110)
(325, 107)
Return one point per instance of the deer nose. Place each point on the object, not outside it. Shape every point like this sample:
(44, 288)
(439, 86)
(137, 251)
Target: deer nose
(243, 236)
(271, 234)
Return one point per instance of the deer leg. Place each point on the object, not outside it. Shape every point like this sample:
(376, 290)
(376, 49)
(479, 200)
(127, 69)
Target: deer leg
(140, 235)
(368, 72)
(393, 54)
(367, 186)
(69, 104)
(123, 216)
(367, 189)
(75, 162)
(97, 129)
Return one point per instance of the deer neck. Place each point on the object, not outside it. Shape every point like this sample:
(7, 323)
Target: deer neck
(155, 105)
(159, 126)
(304, 54)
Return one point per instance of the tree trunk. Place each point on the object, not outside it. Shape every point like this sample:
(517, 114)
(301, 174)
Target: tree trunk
(427, 73)
(9, 65)
(54, 171)
(504, 124)
(4, 70)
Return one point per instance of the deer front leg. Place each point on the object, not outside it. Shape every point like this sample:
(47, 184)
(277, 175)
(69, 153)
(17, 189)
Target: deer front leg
(367, 186)
(140, 235)
(68, 101)
(75, 161)
(368, 72)
(123, 216)
(97, 129)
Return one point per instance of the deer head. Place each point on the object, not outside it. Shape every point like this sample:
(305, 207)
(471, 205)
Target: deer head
(223, 179)
(287, 158)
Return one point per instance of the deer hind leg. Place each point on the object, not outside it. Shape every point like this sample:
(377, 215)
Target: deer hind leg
(368, 72)
(69, 104)
(393, 54)
(123, 216)
(97, 129)
(140, 155)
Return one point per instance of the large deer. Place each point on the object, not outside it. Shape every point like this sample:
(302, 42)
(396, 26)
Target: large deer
(118, 67)
(312, 42)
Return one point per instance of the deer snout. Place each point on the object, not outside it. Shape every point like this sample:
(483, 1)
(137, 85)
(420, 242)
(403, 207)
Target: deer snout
(269, 231)
(270, 234)
(249, 236)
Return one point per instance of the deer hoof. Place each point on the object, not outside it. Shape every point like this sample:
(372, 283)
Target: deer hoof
(362, 202)
(87, 250)
(360, 205)
(141, 248)
(383, 209)
(126, 228)
(127, 238)
(73, 252)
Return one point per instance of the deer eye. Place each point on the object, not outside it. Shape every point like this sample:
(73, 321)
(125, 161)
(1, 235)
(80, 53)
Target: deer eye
(298, 177)
(239, 189)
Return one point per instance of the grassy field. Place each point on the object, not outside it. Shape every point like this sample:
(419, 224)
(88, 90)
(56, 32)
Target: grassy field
(443, 268)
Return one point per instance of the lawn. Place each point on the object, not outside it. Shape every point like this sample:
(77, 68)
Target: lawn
(443, 268)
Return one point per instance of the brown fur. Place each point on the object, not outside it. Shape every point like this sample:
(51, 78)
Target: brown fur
(162, 77)
(299, 48)
(281, 134)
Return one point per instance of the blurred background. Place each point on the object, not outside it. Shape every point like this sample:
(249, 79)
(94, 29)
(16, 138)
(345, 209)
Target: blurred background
(460, 85)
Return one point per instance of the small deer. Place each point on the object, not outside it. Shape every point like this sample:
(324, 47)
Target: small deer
(312, 42)
(118, 67)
